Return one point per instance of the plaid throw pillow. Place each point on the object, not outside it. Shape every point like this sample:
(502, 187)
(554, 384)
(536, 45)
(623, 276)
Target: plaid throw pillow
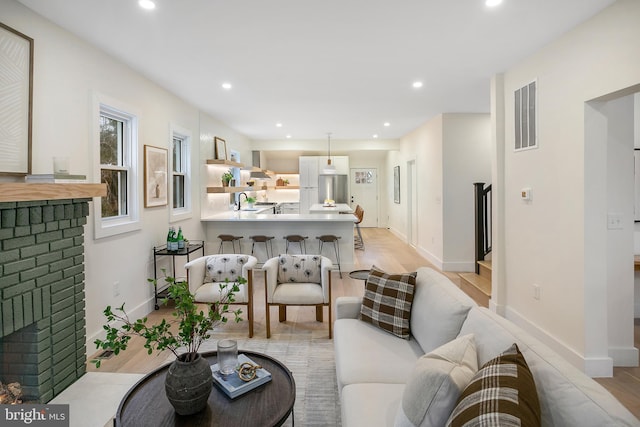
(387, 301)
(503, 392)
(299, 268)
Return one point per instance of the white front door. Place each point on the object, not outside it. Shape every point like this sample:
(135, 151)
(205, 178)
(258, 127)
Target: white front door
(364, 192)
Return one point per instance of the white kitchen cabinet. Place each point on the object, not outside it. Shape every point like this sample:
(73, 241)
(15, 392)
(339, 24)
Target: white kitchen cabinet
(308, 171)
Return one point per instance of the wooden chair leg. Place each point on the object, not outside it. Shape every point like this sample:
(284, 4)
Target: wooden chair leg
(266, 306)
(282, 312)
(319, 313)
(250, 303)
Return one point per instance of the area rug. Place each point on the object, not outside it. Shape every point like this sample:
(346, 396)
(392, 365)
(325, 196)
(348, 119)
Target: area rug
(312, 364)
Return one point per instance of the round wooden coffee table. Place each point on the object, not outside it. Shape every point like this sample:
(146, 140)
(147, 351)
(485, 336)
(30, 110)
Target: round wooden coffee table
(270, 404)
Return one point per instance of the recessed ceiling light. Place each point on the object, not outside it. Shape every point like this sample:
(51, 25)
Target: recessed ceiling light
(387, 124)
(278, 125)
(375, 135)
(147, 4)
(417, 85)
(288, 136)
(492, 3)
(226, 86)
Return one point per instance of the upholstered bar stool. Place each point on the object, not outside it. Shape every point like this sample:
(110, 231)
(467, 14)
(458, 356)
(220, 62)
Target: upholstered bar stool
(266, 240)
(296, 238)
(228, 238)
(330, 238)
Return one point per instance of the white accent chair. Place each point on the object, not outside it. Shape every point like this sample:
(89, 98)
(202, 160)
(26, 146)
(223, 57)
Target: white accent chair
(207, 274)
(297, 280)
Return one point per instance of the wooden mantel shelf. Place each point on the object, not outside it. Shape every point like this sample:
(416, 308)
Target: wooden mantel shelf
(21, 192)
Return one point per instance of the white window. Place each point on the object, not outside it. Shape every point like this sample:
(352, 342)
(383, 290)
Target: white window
(180, 173)
(116, 155)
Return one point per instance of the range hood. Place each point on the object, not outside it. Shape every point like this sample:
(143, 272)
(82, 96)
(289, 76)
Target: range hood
(257, 171)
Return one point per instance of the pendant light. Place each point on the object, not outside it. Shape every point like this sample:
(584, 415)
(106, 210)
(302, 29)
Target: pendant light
(329, 169)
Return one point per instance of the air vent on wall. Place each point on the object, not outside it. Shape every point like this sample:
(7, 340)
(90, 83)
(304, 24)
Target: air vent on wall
(525, 109)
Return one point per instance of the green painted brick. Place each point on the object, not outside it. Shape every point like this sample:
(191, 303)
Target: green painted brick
(61, 265)
(35, 215)
(8, 218)
(47, 213)
(22, 216)
(73, 271)
(8, 205)
(59, 202)
(61, 310)
(64, 324)
(9, 256)
(27, 305)
(38, 228)
(7, 317)
(19, 289)
(18, 242)
(9, 280)
(52, 226)
(78, 260)
(72, 252)
(34, 273)
(82, 221)
(49, 236)
(60, 286)
(79, 279)
(48, 279)
(18, 314)
(48, 258)
(29, 203)
(35, 250)
(23, 230)
(64, 223)
(78, 240)
(58, 212)
(67, 355)
(69, 211)
(73, 232)
(64, 243)
(5, 233)
(18, 266)
(57, 297)
(37, 304)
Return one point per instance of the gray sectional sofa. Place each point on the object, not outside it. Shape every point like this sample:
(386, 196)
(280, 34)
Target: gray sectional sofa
(374, 366)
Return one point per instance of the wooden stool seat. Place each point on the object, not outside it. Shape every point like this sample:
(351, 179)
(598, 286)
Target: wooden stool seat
(296, 238)
(229, 238)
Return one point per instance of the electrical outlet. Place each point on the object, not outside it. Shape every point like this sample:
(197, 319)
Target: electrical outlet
(116, 288)
(536, 291)
(614, 221)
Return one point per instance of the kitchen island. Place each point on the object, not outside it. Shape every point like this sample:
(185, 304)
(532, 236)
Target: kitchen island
(335, 208)
(249, 223)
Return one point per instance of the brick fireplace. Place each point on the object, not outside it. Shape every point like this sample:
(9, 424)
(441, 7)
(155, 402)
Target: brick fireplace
(42, 322)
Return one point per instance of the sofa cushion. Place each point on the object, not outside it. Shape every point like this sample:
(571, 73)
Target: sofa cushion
(370, 404)
(567, 396)
(438, 311)
(299, 268)
(502, 391)
(437, 380)
(387, 301)
(228, 267)
(365, 354)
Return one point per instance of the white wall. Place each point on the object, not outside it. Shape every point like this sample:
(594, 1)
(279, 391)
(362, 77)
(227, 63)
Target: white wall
(556, 240)
(451, 151)
(67, 74)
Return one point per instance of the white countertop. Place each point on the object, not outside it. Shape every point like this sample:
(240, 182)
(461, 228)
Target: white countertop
(339, 207)
(252, 216)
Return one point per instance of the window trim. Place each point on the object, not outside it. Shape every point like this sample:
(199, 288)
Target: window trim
(179, 214)
(105, 227)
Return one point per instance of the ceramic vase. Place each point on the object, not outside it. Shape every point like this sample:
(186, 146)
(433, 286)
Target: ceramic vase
(188, 384)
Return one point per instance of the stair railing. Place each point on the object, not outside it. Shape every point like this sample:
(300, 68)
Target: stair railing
(482, 222)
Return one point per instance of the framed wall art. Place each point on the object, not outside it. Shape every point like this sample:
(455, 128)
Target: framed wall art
(16, 89)
(221, 148)
(396, 184)
(155, 176)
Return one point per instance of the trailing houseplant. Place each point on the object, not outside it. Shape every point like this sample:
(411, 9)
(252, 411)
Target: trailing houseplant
(183, 335)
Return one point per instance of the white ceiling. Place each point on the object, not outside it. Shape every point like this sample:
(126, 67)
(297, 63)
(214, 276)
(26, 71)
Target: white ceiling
(340, 66)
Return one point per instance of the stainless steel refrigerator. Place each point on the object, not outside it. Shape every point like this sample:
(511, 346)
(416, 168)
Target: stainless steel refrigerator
(334, 187)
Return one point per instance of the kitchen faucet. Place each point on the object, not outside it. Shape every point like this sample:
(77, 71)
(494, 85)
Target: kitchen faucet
(240, 197)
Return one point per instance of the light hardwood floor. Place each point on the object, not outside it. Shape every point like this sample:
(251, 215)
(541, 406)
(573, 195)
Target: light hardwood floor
(382, 249)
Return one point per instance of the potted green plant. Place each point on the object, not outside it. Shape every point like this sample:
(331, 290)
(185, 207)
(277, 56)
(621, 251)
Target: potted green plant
(226, 178)
(251, 201)
(189, 381)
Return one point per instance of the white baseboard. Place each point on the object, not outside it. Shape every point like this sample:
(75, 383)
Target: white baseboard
(437, 262)
(399, 235)
(592, 366)
(624, 356)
